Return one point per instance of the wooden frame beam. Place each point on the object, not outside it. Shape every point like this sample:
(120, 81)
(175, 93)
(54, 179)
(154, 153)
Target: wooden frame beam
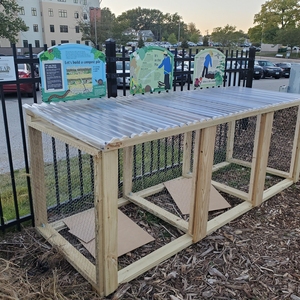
(262, 142)
(106, 225)
(37, 176)
(203, 162)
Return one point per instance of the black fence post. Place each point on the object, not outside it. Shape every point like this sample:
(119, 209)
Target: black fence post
(111, 73)
(250, 67)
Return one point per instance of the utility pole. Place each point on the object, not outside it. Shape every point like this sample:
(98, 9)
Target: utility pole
(95, 13)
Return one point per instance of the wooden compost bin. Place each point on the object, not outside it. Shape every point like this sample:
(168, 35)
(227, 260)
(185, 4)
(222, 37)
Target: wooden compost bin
(101, 127)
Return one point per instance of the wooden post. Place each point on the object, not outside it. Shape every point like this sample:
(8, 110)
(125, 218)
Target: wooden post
(37, 176)
(295, 162)
(187, 150)
(127, 170)
(202, 171)
(260, 157)
(106, 225)
(230, 140)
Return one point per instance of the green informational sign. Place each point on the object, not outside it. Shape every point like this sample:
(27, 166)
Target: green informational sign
(209, 68)
(72, 72)
(151, 70)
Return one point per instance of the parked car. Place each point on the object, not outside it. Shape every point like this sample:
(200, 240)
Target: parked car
(24, 71)
(122, 80)
(286, 68)
(180, 77)
(258, 71)
(192, 44)
(269, 69)
(242, 64)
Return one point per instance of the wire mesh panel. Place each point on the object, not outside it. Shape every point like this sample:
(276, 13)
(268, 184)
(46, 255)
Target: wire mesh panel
(282, 140)
(156, 161)
(69, 181)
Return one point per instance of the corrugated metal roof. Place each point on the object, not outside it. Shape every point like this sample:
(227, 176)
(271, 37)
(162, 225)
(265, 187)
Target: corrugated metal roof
(106, 120)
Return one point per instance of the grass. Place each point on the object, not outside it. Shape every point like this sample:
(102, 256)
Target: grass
(73, 179)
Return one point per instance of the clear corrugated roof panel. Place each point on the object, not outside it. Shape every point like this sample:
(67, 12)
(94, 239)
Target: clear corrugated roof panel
(106, 120)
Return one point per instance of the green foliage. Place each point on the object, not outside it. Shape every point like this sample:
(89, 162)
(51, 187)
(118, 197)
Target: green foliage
(227, 36)
(10, 24)
(205, 40)
(288, 36)
(278, 13)
(141, 43)
(193, 33)
(184, 44)
(172, 38)
(275, 15)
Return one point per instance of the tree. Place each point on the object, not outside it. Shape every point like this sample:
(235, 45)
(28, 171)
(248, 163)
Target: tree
(205, 40)
(141, 43)
(184, 44)
(278, 13)
(274, 16)
(104, 27)
(172, 39)
(227, 36)
(10, 24)
(193, 33)
(288, 36)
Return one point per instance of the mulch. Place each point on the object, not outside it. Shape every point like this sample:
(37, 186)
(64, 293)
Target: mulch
(255, 256)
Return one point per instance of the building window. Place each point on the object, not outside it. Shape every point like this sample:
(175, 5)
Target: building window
(35, 28)
(33, 11)
(37, 43)
(75, 1)
(63, 28)
(52, 42)
(76, 15)
(25, 43)
(77, 29)
(22, 10)
(61, 0)
(84, 2)
(62, 13)
(64, 41)
(86, 43)
(50, 12)
(85, 16)
(51, 28)
(77, 42)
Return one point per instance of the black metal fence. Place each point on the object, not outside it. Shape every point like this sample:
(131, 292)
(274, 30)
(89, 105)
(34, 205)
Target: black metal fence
(15, 180)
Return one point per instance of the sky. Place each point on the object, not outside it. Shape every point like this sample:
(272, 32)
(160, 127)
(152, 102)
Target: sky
(206, 14)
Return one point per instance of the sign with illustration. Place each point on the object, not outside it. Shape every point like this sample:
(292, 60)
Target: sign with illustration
(209, 68)
(72, 72)
(151, 70)
(7, 69)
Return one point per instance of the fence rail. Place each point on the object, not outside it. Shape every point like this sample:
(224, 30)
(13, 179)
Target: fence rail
(16, 206)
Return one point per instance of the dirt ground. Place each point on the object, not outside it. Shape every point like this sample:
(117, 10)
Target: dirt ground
(256, 256)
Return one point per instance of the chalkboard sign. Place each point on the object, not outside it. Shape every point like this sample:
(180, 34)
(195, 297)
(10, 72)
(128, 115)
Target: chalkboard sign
(53, 76)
